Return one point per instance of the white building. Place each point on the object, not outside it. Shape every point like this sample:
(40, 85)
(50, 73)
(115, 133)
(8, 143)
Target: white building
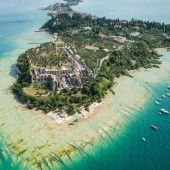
(135, 34)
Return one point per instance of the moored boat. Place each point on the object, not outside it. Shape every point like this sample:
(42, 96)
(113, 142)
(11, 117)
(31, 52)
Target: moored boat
(163, 96)
(164, 111)
(168, 94)
(157, 102)
(144, 139)
(154, 127)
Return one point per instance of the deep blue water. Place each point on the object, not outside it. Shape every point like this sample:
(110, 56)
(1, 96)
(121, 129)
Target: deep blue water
(128, 151)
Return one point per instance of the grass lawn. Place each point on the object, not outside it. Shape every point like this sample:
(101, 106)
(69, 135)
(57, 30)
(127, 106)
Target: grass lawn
(31, 90)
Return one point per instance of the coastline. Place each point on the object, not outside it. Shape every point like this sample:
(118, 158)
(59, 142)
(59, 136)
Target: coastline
(120, 83)
(93, 91)
(55, 136)
(64, 118)
(117, 109)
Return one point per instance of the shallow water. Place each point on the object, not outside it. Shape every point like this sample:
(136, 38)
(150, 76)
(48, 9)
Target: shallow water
(126, 151)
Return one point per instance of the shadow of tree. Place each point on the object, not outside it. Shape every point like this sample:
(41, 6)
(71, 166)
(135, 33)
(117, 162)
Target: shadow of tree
(12, 71)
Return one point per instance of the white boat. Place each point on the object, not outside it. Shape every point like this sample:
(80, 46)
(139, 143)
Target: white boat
(159, 99)
(164, 111)
(154, 127)
(168, 94)
(157, 102)
(144, 139)
(163, 96)
(168, 87)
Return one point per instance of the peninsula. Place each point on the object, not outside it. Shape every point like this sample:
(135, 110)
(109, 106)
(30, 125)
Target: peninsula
(88, 53)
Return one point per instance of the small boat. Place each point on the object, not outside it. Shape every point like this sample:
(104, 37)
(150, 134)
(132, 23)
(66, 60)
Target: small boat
(159, 99)
(157, 102)
(168, 87)
(144, 139)
(154, 127)
(163, 96)
(164, 111)
(168, 94)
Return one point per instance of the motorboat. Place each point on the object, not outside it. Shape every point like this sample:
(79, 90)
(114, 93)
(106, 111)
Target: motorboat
(154, 127)
(164, 111)
(163, 96)
(144, 139)
(157, 102)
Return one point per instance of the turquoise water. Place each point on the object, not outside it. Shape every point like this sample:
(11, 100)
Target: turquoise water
(153, 10)
(127, 152)
(14, 21)
(18, 21)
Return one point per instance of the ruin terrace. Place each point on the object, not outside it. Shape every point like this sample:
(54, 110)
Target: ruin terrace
(68, 74)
